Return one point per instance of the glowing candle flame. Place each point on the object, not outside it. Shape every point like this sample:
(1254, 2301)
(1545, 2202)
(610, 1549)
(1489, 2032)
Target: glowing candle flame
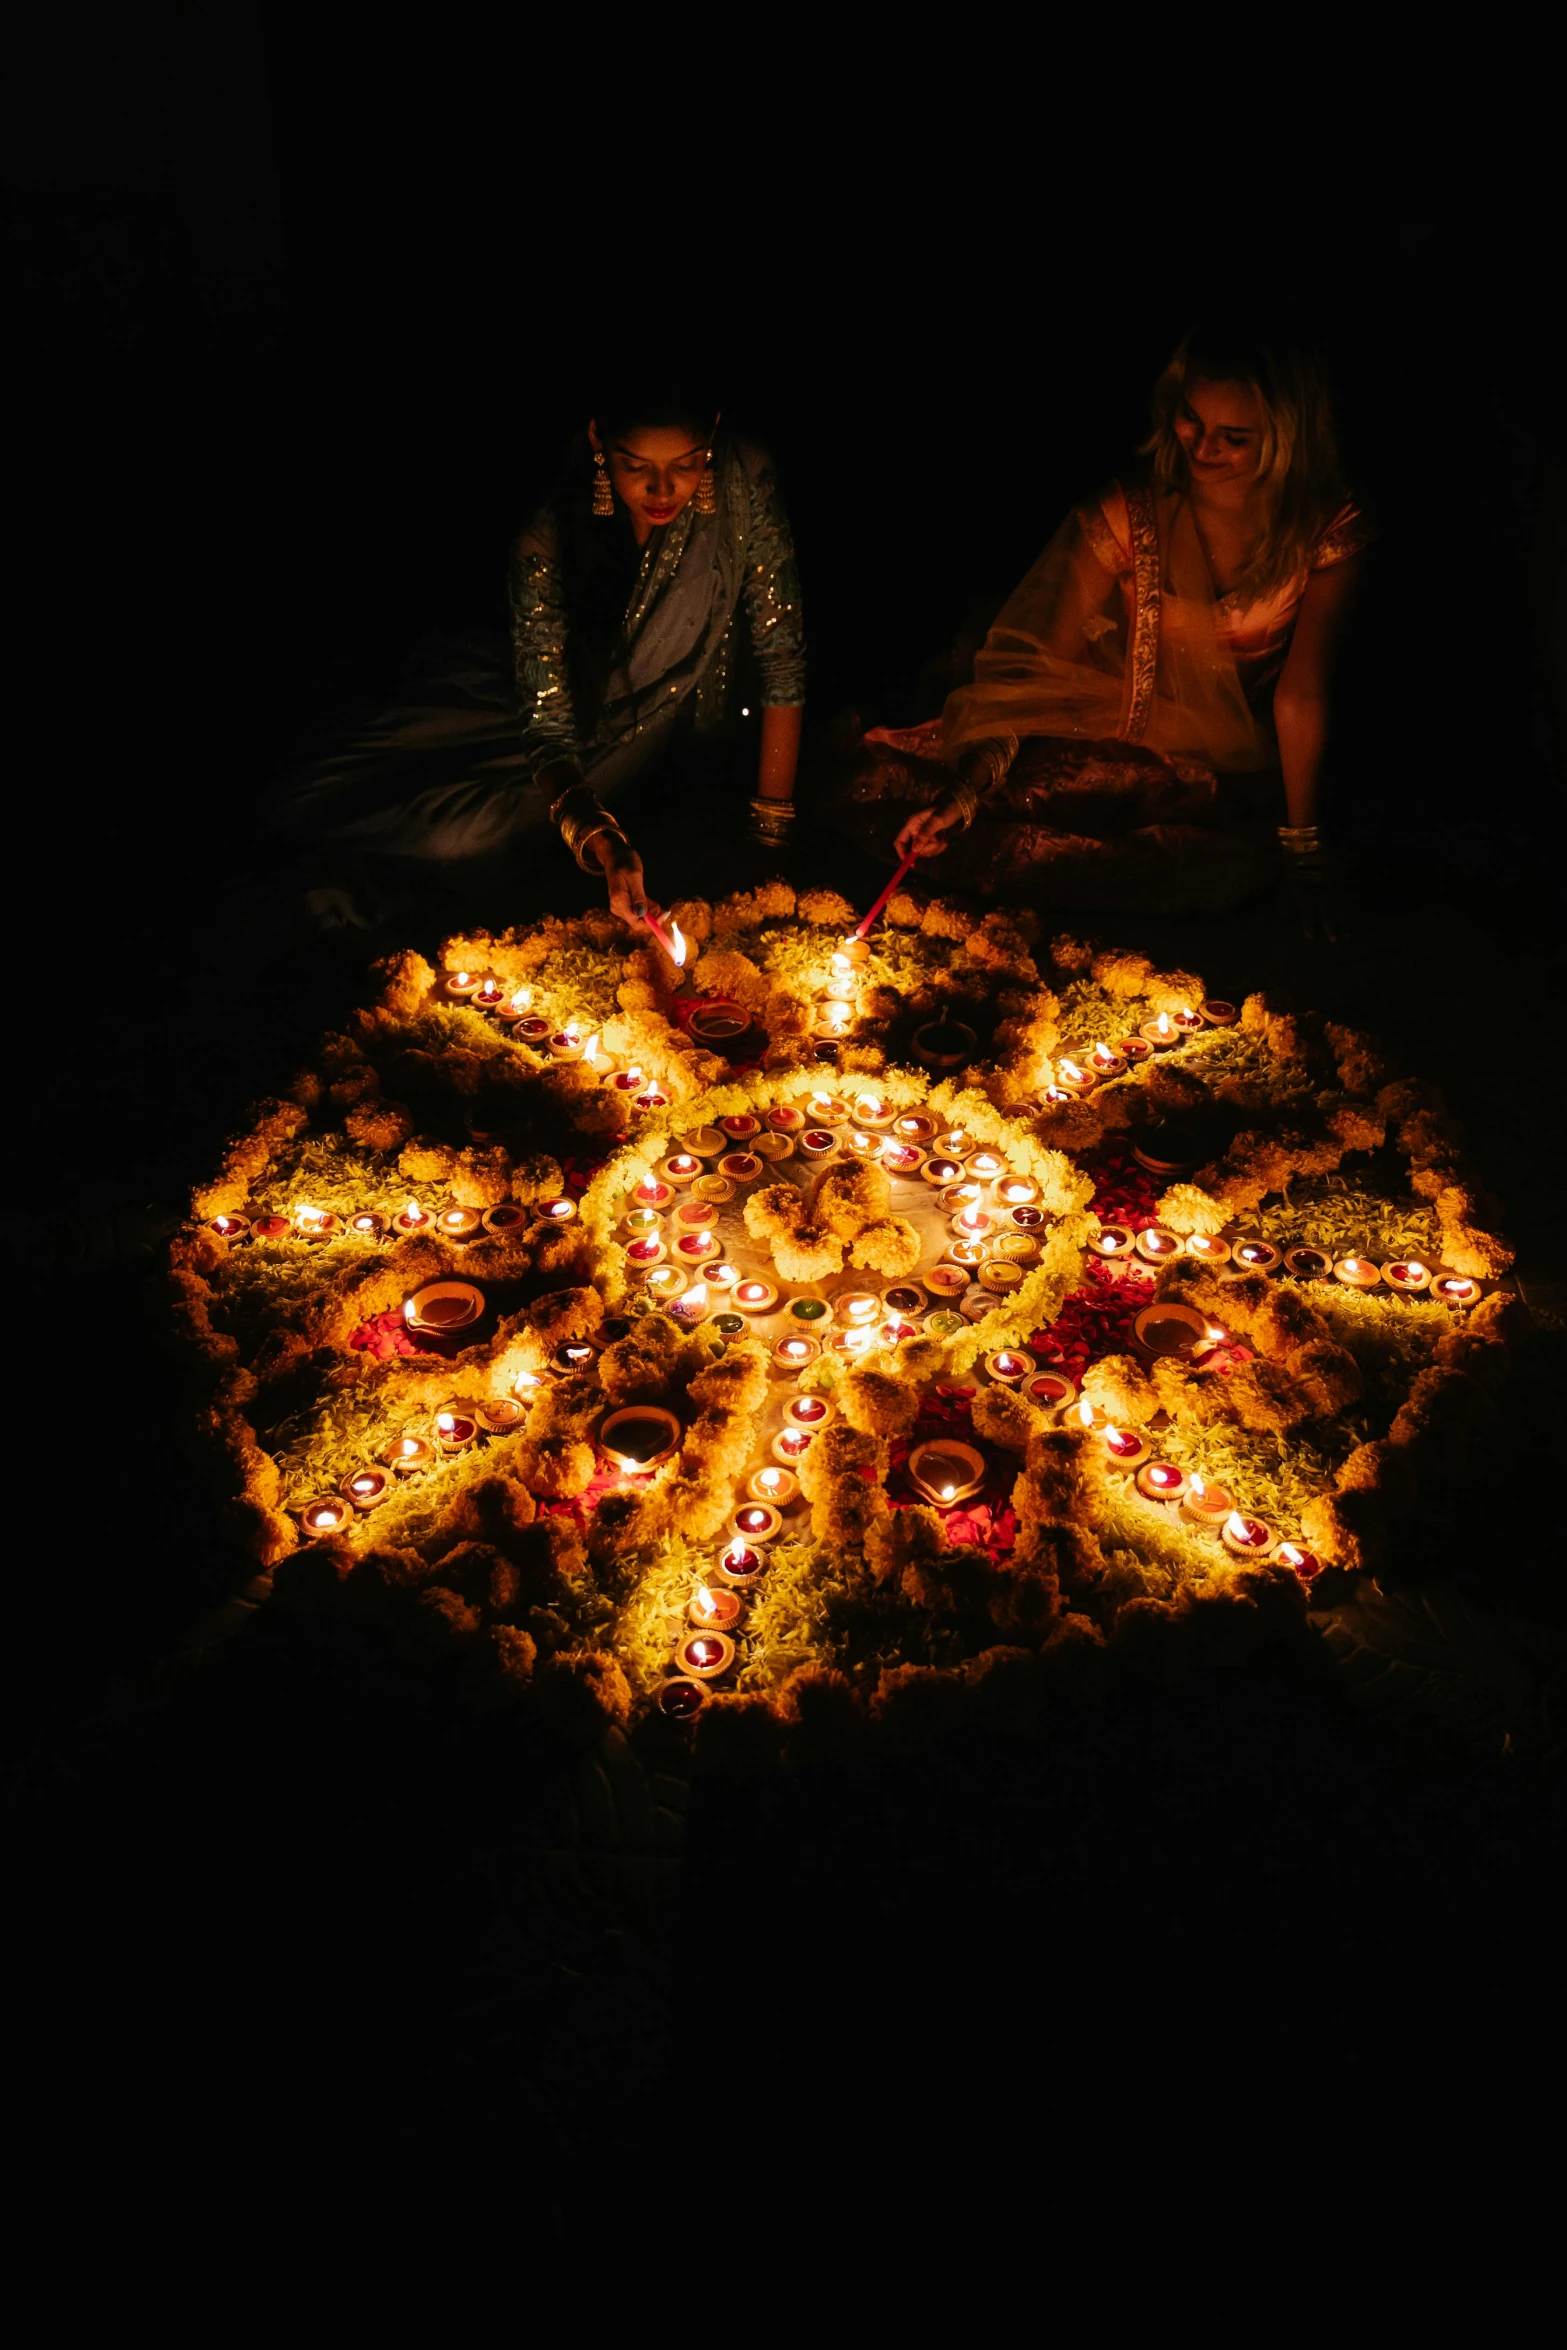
(409, 1446)
(364, 1485)
(696, 1297)
(735, 1555)
(1103, 1053)
(525, 1381)
(463, 979)
(1198, 1487)
(572, 1033)
(1112, 1434)
(677, 946)
(455, 1216)
(634, 1076)
(309, 1215)
(1416, 1270)
(1214, 1337)
(445, 1423)
(840, 962)
(1236, 1527)
(704, 1602)
(949, 1493)
(1085, 1412)
(522, 1001)
(1163, 1023)
(591, 1047)
(1291, 1554)
(324, 1518)
(1071, 1069)
(770, 1480)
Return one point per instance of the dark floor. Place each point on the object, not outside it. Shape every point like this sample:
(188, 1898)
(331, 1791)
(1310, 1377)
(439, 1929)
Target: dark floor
(276, 1878)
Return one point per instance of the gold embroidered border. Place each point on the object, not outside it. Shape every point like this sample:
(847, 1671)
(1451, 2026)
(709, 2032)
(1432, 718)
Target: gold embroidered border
(1102, 541)
(1142, 652)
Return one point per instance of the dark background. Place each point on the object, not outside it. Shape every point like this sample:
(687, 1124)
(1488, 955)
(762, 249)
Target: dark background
(305, 320)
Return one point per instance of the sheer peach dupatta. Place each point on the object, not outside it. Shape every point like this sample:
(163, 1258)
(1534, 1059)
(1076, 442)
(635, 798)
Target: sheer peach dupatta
(1090, 650)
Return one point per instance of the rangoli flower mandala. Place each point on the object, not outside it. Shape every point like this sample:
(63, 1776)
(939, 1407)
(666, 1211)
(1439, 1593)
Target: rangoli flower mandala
(877, 1328)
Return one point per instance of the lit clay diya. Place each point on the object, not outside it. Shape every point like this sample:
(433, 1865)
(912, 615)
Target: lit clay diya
(650, 1101)
(741, 1566)
(1074, 1080)
(680, 1699)
(639, 1437)
(646, 1251)
(986, 1166)
(852, 1346)
(1013, 1191)
(1358, 1273)
(680, 1168)
(1051, 1390)
(1124, 1449)
(756, 1522)
(969, 1254)
(498, 1415)
(666, 1281)
(825, 1109)
(318, 1224)
(722, 1277)
(572, 1357)
(817, 1142)
(1158, 1244)
(955, 1142)
(1113, 1240)
(959, 1196)
(791, 1445)
(463, 986)
(367, 1225)
(366, 1488)
(327, 1513)
(857, 1308)
(999, 1276)
(515, 1007)
(973, 1223)
(808, 1411)
(861, 1145)
(1105, 1061)
(1207, 1248)
(1256, 1255)
(715, 1191)
(1189, 1023)
(1206, 1505)
(902, 1158)
(704, 1655)
(945, 1471)
(1456, 1289)
(775, 1486)
(488, 996)
(459, 1224)
(230, 1228)
(696, 1248)
(754, 1297)
(1161, 1032)
(1010, 1366)
(567, 1044)
(1407, 1276)
(939, 1172)
(916, 1126)
(1308, 1264)
(555, 1211)
(897, 1331)
(795, 1354)
(1089, 1417)
(714, 1611)
(630, 1080)
(691, 1309)
(1161, 1481)
(870, 1110)
(1304, 1563)
(641, 1223)
(651, 1192)
(1247, 1537)
(455, 1430)
(408, 1454)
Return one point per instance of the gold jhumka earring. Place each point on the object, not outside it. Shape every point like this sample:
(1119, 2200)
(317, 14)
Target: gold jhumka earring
(603, 495)
(706, 499)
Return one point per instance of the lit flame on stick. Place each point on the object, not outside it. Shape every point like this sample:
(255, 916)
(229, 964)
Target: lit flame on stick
(677, 945)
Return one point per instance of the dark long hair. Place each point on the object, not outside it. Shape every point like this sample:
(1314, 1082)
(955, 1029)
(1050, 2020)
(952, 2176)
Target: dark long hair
(599, 557)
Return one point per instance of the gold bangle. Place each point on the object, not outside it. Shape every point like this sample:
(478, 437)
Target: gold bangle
(578, 844)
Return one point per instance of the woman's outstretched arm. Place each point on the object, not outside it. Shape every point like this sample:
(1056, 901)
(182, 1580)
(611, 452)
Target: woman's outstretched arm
(1301, 701)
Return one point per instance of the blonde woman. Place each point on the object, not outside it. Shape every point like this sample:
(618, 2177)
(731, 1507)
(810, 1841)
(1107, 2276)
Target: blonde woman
(1148, 718)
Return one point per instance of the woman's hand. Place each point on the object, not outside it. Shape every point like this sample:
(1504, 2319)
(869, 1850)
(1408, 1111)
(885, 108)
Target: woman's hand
(622, 867)
(1311, 899)
(925, 834)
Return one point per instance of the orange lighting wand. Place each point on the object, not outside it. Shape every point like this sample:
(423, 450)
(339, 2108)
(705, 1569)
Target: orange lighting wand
(674, 948)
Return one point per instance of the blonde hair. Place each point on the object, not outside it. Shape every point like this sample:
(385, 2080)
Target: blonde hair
(1298, 465)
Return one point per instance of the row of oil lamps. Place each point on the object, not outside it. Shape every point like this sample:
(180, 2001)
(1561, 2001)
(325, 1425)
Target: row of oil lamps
(1250, 1253)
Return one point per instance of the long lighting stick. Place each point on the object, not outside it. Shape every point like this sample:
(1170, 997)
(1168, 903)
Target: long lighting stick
(856, 935)
(674, 948)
